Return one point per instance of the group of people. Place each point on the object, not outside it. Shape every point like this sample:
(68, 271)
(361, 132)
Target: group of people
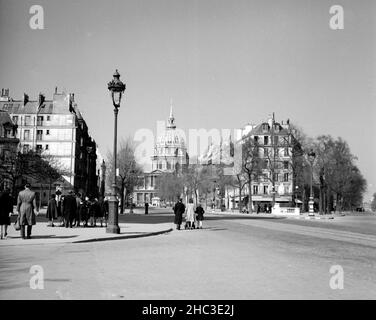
(74, 209)
(193, 215)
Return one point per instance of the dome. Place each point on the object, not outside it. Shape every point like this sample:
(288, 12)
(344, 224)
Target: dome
(171, 137)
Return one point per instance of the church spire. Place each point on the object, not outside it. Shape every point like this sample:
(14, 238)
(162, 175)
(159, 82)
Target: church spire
(171, 119)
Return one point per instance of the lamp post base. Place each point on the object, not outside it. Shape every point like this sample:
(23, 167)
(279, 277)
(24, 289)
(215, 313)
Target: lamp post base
(112, 226)
(113, 229)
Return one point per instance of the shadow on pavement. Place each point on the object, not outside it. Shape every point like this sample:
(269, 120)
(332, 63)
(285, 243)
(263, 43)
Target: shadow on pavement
(47, 237)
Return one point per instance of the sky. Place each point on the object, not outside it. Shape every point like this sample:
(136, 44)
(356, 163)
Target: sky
(223, 63)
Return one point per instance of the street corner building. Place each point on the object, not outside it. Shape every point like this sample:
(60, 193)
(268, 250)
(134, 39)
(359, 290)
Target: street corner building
(55, 128)
(8, 147)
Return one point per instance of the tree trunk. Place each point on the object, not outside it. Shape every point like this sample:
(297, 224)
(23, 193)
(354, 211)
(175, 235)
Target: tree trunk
(249, 195)
(240, 198)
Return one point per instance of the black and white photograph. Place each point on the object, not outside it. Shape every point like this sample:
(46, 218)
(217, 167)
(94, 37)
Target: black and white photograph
(206, 152)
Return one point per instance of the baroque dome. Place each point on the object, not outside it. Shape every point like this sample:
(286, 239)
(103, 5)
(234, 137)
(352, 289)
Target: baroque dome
(171, 137)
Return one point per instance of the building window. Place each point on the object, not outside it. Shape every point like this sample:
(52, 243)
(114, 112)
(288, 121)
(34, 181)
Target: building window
(286, 177)
(265, 189)
(47, 147)
(265, 164)
(265, 127)
(15, 119)
(48, 118)
(40, 121)
(39, 134)
(266, 140)
(286, 152)
(255, 189)
(275, 176)
(8, 133)
(26, 134)
(168, 165)
(266, 152)
(256, 139)
(27, 120)
(276, 140)
(285, 164)
(47, 132)
(39, 148)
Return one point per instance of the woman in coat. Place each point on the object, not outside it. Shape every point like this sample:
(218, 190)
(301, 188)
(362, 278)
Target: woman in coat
(6, 208)
(190, 217)
(200, 215)
(52, 212)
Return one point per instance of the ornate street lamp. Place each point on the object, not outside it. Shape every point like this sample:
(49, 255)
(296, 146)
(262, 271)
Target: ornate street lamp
(117, 89)
(311, 159)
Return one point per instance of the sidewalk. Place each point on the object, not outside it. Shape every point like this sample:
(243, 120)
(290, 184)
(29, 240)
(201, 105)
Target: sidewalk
(44, 235)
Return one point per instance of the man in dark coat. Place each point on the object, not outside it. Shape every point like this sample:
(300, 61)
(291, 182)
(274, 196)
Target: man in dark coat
(70, 209)
(25, 207)
(179, 209)
(6, 208)
(146, 208)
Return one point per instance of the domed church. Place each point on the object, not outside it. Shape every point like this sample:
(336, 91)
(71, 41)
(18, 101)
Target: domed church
(170, 152)
(170, 155)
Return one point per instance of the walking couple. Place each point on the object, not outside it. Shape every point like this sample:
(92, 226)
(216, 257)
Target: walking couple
(191, 218)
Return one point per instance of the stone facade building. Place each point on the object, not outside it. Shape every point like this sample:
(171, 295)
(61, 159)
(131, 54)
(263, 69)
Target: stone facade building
(56, 128)
(278, 150)
(8, 148)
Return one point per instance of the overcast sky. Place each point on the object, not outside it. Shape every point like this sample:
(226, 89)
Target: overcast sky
(224, 63)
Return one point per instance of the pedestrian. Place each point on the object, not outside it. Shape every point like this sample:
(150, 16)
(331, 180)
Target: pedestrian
(61, 209)
(200, 215)
(84, 211)
(70, 209)
(146, 208)
(6, 209)
(26, 205)
(51, 210)
(179, 209)
(190, 215)
(103, 204)
(78, 215)
(94, 211)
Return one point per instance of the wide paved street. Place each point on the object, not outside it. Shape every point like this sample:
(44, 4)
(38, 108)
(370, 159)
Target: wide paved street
(233, 257)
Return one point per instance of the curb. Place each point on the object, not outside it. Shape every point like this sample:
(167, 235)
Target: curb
(132, 236)
(313, 218)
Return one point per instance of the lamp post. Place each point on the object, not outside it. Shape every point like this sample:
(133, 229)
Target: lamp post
(116, 88)
(311, 159)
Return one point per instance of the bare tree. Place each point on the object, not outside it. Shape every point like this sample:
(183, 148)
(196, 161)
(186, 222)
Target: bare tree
(252, 165)
(129, 170)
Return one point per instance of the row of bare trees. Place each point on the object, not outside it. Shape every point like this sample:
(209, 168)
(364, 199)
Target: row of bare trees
(337, 181)
(30, 166)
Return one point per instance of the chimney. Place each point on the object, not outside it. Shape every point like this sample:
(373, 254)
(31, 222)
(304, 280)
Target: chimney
(25, 99)
(5, 93)
(41, 99)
